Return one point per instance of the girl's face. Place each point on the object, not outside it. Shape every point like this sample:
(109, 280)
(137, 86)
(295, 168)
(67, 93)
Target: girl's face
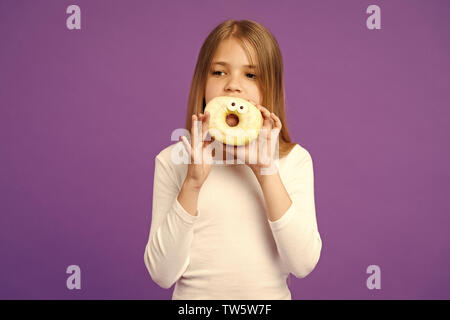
(231, 75)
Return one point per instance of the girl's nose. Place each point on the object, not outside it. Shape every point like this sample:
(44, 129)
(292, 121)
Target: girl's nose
(233, 85)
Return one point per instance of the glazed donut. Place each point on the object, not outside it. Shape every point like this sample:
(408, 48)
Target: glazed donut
(233, 121)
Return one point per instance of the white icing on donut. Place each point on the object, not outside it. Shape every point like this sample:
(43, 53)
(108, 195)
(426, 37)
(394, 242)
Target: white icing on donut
(247, 129)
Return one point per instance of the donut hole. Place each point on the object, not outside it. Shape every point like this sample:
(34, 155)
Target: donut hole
(232, 120)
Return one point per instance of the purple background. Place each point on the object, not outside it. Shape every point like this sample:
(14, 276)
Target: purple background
(84, 113)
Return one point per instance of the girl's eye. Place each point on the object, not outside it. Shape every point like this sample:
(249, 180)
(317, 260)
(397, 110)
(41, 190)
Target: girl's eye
(249, 75)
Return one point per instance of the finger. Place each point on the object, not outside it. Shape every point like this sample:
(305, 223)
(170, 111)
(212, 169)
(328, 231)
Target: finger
(205, 125)
(276, 130)
(186, 145)
(193, 119)
(264, 111)
(195, 140)
(268, 121)
(199, 129)
(198, 133)
(268, 115)
(277, 121)
(272, 122)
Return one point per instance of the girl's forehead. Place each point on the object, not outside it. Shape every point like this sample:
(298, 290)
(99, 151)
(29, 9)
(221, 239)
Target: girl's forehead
(232, 49)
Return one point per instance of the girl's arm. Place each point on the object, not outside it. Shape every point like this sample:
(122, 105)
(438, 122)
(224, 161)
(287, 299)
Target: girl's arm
(167, 252)
(291, 213)
(188, 197)
(276, 197)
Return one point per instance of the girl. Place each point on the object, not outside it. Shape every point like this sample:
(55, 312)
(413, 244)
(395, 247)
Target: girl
(228, 231)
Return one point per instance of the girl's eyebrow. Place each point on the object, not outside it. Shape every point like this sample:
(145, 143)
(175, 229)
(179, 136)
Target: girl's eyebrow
(223, 63)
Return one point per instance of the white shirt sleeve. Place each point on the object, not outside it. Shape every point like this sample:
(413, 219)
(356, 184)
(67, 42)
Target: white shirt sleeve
(171, 232)
(296, 234)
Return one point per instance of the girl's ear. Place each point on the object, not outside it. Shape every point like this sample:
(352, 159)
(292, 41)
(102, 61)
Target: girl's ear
(204, 105)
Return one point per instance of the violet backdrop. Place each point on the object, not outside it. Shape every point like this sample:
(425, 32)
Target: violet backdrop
(83, 113)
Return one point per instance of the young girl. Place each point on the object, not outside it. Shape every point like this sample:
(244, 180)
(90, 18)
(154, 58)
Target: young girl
(228, 231)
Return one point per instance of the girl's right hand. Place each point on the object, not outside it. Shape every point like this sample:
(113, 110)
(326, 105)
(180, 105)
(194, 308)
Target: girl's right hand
(200, 156)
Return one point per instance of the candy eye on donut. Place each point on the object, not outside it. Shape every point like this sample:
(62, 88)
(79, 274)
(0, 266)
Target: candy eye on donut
(242, 108)
(232, 106)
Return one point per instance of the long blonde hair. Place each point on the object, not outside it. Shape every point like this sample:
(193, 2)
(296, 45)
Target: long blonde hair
(269, 70)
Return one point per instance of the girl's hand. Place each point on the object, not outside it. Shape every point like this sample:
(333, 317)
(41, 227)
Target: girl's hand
(200, 156)
(267, 141)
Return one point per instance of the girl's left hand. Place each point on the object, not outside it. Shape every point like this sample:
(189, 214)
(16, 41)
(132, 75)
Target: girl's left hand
(267, 141)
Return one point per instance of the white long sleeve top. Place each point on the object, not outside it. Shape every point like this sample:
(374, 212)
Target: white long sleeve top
(231, 250)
